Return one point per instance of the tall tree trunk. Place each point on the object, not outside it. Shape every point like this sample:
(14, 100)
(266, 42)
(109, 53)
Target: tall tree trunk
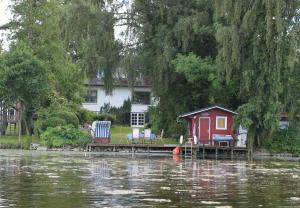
(25, 124)
(3, 120)
(20, 120)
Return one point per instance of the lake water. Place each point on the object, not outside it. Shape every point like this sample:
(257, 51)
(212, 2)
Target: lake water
(61, 179)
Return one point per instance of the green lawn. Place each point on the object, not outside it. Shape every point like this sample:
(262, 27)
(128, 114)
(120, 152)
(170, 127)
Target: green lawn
(12, 129)
(119, 136)
(13, 141)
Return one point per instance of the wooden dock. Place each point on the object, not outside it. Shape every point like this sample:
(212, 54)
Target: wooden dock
(202, 151)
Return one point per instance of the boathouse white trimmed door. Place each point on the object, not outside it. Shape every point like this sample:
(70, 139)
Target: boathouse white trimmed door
(204, 130)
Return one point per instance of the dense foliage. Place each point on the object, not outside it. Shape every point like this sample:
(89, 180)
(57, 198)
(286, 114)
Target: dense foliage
(54, 116)
(284, 140)
(171, 28)
(89, 36)
(63, 136)
(259, 47)
(243, 55)
(119, 115)
(240, 54)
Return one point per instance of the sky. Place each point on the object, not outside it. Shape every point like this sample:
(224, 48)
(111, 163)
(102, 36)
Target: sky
(5, 15)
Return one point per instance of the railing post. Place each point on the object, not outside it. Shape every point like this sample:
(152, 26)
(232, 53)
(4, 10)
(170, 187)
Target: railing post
(232, 145)
(203, 151)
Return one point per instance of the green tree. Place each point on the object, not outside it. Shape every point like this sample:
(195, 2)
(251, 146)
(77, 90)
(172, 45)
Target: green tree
(255, 56)
(38, 24)
(163, 29)
(24, 79)
(88, 29)
(36, 29)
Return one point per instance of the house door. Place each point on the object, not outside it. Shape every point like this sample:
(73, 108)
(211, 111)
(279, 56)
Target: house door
(204, 130)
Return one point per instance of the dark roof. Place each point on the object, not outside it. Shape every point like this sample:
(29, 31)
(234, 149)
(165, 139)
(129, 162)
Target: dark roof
(206, 109)
(118, 83)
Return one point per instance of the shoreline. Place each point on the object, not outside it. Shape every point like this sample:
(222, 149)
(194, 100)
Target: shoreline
(257, 156)
(267, 155)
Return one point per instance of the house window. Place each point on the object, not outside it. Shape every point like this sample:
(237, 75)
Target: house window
(137, 119)
(141, 98)
(221, 122)
(91, 96)
(141, 120)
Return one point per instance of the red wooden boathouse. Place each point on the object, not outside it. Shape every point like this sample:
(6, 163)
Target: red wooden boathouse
(208, 123)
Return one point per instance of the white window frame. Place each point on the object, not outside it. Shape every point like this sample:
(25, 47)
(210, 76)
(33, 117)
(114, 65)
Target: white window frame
(136, 119)
(85, 102)
(138, 116)
(221, 117)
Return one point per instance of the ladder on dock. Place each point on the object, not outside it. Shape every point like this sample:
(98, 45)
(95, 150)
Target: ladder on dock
(188, 150)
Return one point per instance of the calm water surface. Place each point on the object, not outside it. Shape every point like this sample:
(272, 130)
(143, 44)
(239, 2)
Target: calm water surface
(43, 179)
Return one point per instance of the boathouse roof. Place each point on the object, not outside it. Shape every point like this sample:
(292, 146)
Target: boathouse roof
(206, 109)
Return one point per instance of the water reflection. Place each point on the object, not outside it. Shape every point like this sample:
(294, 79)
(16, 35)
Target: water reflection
(33, 179)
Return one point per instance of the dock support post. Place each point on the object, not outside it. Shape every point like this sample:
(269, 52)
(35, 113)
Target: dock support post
(132, 148)
(203, 151)
(216, 152)
(232, 152)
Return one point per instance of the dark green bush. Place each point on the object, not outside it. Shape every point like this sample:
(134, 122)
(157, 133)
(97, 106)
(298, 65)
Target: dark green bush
(84, 139)
(176, 129)
(105, 117)
(62, 136)
(283, 141)
(68, 116)
(85, 116)
(54, 116)
(53, 122)
(122, 113)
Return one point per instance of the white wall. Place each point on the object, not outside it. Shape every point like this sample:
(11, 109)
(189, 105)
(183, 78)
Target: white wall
(142, 89)
(139, 108)
(117, 98)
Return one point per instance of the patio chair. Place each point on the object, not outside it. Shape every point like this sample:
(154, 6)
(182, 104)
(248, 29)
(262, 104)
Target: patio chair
(148, 135)
(135, 134)
(101, 131)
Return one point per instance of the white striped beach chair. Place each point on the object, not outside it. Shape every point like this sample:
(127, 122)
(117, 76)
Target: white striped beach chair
(101, 131)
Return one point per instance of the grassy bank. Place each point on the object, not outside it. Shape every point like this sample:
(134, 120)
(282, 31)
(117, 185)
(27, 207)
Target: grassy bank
(118, 136)
(12, 142)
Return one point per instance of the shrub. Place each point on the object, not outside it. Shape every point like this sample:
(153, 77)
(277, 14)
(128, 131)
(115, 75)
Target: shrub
(176, 129)
(61, 136)
(68, 116)
(84, 139)
(283, 140)
(52, 138)
(85, 116)
(53, 122)
(122, 113)
(105, 117)
(54, 116)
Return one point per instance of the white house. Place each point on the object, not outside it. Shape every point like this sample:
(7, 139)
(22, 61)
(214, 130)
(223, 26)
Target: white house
(140, 96)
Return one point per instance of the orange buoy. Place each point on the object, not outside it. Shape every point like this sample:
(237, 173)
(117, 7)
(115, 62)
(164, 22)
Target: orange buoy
(176, 151)
(176, 158)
